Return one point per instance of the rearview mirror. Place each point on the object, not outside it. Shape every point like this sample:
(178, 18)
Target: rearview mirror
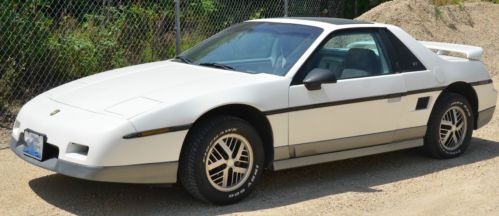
(317, 77)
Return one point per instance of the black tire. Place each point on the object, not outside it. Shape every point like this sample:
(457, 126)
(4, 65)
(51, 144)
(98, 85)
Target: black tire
(432, 141)
(193, 172)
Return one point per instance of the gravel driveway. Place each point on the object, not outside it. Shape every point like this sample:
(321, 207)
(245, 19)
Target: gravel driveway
(404, 182)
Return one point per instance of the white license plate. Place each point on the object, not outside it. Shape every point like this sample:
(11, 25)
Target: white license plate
(33, 146)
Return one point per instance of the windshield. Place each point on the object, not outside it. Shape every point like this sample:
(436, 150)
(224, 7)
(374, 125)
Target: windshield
(254, 47)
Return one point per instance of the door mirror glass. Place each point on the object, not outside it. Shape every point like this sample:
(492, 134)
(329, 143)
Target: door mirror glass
(318, 76)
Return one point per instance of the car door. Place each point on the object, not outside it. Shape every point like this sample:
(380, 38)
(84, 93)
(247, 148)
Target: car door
(361, 109)
(421, 85)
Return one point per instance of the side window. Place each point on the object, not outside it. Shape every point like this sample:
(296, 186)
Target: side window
(350, 54)
(404, 60)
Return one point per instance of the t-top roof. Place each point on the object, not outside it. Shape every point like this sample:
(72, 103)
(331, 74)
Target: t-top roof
(335, 21)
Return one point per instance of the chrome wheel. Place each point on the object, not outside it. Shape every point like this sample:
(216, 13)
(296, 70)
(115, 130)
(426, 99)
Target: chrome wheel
(453, 127)
(229, 162)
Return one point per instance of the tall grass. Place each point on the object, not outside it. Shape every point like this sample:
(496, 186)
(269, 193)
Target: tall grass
(40, 50)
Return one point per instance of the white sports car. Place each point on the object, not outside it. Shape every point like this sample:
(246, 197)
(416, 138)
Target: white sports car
(264, 94)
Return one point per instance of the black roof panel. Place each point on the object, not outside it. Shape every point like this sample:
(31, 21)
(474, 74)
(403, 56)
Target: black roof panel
(335, 21)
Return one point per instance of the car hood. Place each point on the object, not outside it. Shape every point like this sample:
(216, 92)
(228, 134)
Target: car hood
(133, 90)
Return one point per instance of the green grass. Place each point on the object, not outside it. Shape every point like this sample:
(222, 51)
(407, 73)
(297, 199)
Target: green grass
(438, 12)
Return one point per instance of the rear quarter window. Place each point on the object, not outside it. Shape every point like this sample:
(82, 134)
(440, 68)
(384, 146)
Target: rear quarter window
(403, 59)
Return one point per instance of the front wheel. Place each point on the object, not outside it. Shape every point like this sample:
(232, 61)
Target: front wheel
(450, 127)
(222, 160)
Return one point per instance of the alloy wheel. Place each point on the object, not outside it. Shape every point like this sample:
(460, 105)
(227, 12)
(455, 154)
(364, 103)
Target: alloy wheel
(453, 127)
(229, 162)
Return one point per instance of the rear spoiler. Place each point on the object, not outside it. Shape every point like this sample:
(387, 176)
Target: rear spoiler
(471, 52)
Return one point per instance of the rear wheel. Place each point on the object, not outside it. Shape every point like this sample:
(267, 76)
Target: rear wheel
(450, 127)
(222, 160)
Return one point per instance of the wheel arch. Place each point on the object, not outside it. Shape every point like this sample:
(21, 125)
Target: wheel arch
(250, 114)
(468, 92)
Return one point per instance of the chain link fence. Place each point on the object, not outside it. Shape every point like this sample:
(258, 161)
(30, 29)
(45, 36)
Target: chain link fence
(45, 43)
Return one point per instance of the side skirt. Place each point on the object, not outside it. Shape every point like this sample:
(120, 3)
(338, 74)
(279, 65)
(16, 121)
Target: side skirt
(346, 154)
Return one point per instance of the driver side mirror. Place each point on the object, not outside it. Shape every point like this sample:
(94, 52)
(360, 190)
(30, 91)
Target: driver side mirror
(317, 77)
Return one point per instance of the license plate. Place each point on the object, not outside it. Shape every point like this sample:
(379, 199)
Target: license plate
(33, 144)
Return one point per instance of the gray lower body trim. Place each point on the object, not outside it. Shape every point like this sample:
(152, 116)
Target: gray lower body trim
(281, 153)
(308, 149)
(139, 173)
(347, 154)
(484, 117)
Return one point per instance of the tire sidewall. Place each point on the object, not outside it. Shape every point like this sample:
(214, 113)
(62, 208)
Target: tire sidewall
(241, 128)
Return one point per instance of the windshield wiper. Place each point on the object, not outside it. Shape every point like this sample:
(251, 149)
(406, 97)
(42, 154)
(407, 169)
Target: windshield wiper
(183, 59)
(217, 65)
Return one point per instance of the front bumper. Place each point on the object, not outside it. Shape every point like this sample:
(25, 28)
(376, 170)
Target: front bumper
(151, 173)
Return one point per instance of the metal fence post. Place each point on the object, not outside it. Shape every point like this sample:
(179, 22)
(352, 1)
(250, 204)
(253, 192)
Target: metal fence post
(178, 50)
(356, 12)
(286, 6)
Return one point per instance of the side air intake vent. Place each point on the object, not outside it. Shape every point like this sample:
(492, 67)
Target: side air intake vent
(422, 103)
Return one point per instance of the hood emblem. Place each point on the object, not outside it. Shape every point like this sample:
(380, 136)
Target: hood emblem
(54, 112)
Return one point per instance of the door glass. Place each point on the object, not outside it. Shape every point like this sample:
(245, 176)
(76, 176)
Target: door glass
(351, 55)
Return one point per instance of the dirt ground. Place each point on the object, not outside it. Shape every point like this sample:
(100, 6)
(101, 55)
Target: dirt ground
(4, 136)
(404, 182)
